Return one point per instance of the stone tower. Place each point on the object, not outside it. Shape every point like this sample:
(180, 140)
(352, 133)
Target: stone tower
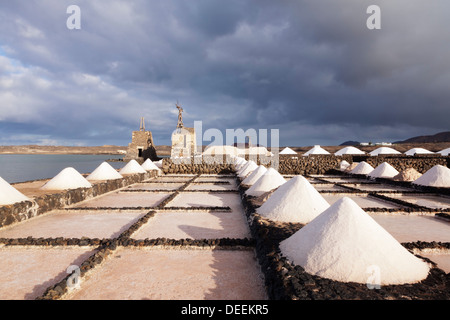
(183, 138)
(141, 146)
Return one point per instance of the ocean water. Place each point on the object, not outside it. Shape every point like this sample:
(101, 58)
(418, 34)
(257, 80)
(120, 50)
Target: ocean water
(26, 167)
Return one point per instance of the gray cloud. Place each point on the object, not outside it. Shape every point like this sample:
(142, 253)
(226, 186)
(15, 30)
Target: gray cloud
(310, 68)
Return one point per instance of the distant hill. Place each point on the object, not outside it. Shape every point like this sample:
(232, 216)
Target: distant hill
(438, 137)
(350, 143)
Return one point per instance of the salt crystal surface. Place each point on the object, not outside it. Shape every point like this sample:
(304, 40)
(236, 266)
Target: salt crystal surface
(344, 165)
(362, 168)
(9, 194)
(345, 244)
(316, 150)
(409, 174)
(254, 176)
(414, 151)
(68, 178)
(249, 168)
(268, 181)
(384, 150)
(437, 176)
(294, 201)
(104, 172)
(349, 150)
(384, 170)
(132, 167)
(287, 150)
(149, 165)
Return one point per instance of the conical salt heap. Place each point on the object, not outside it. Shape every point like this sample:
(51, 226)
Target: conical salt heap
(414, 151)
(240, 164)
(247, 169)
(149, 165)
(362, 168)
(268, 181)
(104, 172)
(254, 176)
(343, 243)
(352, 166)
(9, 194)
(343, 165)
(384, 170)
(409, 174)
(132, 167)
(437, 176)
(445, 152)
(316, 150)
(68, 178)
(349, 150)
(294, 201)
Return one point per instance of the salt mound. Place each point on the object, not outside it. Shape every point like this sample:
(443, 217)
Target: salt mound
(268, 181)
(240, 164)
(362, 168)
(344, 165)
(344, 243)
(287, 150)
(438, 176)
(384, 170)
(316, 150)
(149, 165)
(445, 152)
(351, 167)
(9, 194)
(409, 174)
(158, 163)
(383, 150)
(132, 167)
(104, 172)
(414, 151)
(349, 150)
(68, 178)
(247, 169)
(294, 201)
(254, 176)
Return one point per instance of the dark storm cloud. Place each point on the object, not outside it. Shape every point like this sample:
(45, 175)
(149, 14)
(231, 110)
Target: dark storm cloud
(309, 68)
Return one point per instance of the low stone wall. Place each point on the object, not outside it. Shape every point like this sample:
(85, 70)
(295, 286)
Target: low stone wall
(421, 163)
(191, 167)
(20, 211)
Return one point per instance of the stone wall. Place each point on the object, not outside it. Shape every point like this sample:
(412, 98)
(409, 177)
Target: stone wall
(191, 167)
(21, 211)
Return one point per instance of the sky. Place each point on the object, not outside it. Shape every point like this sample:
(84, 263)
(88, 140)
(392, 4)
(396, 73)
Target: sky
(310, 68)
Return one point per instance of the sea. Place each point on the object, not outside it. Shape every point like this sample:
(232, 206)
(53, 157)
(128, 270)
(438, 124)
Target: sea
(25, 167)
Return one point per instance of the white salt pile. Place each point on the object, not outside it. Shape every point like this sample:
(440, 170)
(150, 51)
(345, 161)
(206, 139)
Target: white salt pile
(68, 178)
(132, 167)
(362, 168)
(287, 150)
(344, 243)
(240, 163)
(409, 174)
(316, 150)
(158, 163)
(343, 165)
(254, 176)
(384, 170)
(383, 150)
(9, 194)
(445, 152)
(149, 165)
(249, 167)
(414, 151)
(104, 172)
(349, 150)
(351, 167)
(270, 180)
(294, 201)
(437, 176)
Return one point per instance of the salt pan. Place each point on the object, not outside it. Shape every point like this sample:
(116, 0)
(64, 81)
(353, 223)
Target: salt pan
(345, 244)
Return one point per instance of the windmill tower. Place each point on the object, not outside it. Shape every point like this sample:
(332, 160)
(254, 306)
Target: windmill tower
(183, 138)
